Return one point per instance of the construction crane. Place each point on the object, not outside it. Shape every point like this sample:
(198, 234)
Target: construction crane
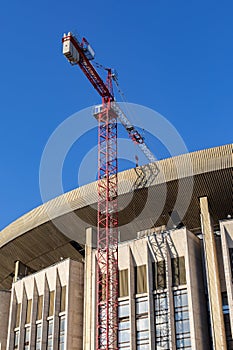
(107, 114)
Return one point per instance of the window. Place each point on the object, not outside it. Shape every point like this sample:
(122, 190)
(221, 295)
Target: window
(16, 340)
(18, 312)
(140, 279)
(62, 325)
(123, 283)
(39, 307)
(226, 316)
(124, 325)
(29, 311)
(142, 323)
(63, 299)
(27, 338)
(161, 321)
(178, 271)
(159, 274)
(50, 335)
(231, 261)
(38, 336)
(183, 340)
(51, 303)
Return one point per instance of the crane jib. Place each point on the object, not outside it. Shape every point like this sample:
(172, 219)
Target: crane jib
(89, 70)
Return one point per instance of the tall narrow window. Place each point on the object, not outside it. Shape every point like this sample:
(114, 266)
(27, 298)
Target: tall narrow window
(27, 338)
(38, 336)
(178, 271)
(159, 274)
(142, 323)
(39, 307)
(29, 311)
(140, 279)
(183, 338)
(161, 321)
(63, 299)
(227, 321)
(62, 333)
(51, 303)
(231, 261)
(124, 325)
(123, 283)
(16, 340)
(50, 335)
(18, 313)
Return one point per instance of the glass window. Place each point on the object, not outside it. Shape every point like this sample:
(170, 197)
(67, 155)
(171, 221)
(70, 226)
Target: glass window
(62, 333)
(161, 321)
(51, 303)
(29, 311)
(27, 338)
(141, 306)
(123, 309)
(182, 325)
(63, 299)
(142, 323)
(123, 283)
(18, 313)
(178, 271)
(16, 340)
(39, 307)
(38, 336)
(124, 325)
(140, 279)
(50, 335)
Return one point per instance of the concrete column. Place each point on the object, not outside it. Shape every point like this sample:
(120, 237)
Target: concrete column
(12, 319)
(213, 281)
(226, 228)
(89, 306)
(33, 316)
(151, 312)
(132, 301)
(4, 316)
(171, 317)
(56, 311)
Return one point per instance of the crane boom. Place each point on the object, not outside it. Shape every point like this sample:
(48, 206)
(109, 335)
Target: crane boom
(81, 54)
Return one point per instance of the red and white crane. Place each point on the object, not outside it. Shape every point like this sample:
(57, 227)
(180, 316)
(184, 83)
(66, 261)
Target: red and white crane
(81, 53)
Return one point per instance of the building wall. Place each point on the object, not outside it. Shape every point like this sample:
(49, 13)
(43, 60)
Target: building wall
(4, 315)
(44, 306)
(160, 278)
(226, 234)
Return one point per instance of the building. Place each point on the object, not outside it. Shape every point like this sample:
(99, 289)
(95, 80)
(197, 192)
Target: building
(175, 262)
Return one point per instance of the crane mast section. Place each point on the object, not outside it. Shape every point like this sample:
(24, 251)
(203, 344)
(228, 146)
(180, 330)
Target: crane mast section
(81, 54)
(133, 133)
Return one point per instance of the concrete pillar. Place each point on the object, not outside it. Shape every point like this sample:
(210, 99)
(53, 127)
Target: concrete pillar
(213, 281)
(226, 228)
(151, 312)
(89, 305)
(132, 301)
(4, 316)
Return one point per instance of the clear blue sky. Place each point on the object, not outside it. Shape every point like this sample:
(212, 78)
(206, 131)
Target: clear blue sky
(173, 56)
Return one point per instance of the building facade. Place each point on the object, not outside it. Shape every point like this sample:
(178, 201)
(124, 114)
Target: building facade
(175, 274)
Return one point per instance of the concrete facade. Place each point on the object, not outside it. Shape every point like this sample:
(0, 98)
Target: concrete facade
(4, 316)
(41, 301)
(175, 278)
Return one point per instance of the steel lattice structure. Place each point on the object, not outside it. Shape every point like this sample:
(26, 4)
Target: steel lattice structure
(81, 53)
(107, 240)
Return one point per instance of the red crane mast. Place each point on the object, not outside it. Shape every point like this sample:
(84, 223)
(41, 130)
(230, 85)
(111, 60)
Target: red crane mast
(81, 53)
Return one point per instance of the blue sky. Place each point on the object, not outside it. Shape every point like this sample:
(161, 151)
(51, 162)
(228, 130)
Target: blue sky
(175, 57)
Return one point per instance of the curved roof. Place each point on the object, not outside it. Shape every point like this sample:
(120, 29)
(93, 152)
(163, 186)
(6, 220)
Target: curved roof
(153, 195)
